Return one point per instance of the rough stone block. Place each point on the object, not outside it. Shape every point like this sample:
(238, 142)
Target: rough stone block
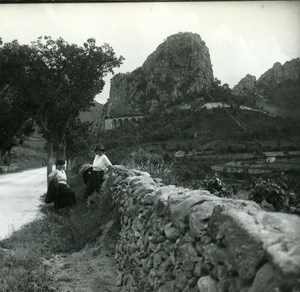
(250, 236)
(171, 232)
(228, 204)
(180, 210)
(167, 287)
(168, 193)
(264, 280)
(242, 245)
(200, 215)
(207, 284)
(187, 252)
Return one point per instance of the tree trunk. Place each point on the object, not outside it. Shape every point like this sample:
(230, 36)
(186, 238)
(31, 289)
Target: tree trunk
(9, 156)
(2, 155)
(50, 155)
(69, 164)
(61, 148)
(55, 153)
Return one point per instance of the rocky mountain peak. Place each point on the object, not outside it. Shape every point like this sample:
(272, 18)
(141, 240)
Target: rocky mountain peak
(276, 91)
(289, 71)
(179, 67)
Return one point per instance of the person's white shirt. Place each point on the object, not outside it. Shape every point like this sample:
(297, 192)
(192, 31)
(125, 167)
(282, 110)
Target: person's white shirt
(60, 175)
(101, 162)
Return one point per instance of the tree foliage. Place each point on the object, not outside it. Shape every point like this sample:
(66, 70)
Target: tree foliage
(15, 120)
(62, 80)
(56, 80)
(79, 139)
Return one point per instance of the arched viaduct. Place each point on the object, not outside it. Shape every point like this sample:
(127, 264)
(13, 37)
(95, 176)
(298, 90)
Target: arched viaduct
(115, 122)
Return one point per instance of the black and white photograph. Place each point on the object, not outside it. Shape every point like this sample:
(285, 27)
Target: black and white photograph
(150, 146)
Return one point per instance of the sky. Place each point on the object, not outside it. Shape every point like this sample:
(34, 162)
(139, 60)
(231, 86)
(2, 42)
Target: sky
(242, 37)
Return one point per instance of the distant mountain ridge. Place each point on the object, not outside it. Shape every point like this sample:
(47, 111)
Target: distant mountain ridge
(289, 71)
(277, 90)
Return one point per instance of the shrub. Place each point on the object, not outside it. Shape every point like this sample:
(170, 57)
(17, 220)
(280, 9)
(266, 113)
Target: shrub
(216, 186)
(271, 193)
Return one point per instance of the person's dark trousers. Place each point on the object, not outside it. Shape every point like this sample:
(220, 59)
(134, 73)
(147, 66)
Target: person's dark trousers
(94, 183)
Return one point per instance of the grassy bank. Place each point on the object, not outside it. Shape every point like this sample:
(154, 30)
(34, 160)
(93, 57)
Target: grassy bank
(22, 255)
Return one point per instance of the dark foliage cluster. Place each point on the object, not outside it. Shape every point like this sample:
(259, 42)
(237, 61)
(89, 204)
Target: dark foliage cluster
(216, 186)
(273, 196)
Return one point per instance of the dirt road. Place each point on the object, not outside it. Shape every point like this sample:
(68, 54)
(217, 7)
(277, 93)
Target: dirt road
(19, 198)
(92, 269)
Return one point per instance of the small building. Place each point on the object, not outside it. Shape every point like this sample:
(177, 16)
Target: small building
(179, 153)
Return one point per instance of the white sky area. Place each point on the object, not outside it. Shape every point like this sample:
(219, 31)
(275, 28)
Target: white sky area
(242, 37)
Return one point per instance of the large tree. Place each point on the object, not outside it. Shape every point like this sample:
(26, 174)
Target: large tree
(80, 140)
(61, 80)
(15, 120)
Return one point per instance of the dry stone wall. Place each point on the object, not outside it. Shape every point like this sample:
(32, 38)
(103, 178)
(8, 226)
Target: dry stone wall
(175, 239)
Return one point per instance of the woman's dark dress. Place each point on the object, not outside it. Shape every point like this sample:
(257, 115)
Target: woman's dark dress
(60, 194)
(65, 197)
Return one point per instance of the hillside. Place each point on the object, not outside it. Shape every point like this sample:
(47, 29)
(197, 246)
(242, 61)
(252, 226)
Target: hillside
(94, 115)
(189, 147)
(198, 130)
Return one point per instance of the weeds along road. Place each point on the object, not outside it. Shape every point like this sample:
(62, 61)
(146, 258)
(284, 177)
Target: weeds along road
(20, 198)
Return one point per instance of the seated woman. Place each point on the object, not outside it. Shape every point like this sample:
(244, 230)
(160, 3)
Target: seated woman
(96, 178)
(64, 196)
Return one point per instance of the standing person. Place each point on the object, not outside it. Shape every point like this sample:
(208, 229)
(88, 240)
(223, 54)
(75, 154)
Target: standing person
(100, 163)
(64, 196)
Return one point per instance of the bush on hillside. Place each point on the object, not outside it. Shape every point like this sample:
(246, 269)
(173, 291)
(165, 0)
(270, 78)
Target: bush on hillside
(267, 192)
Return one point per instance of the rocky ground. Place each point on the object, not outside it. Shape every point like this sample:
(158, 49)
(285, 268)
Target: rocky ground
(89, 270)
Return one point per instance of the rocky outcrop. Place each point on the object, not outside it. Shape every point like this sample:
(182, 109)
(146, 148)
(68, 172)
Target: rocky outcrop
(246, 85)
(276, 91)
(178, 68)
(290, 71)
(176, 239)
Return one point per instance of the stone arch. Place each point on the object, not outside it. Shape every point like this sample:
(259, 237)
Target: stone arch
(126, 120)
(133, 120)
(114, 123)
(119, 122)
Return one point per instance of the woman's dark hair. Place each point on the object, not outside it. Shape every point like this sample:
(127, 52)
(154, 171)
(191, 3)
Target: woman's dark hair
(60, 162)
